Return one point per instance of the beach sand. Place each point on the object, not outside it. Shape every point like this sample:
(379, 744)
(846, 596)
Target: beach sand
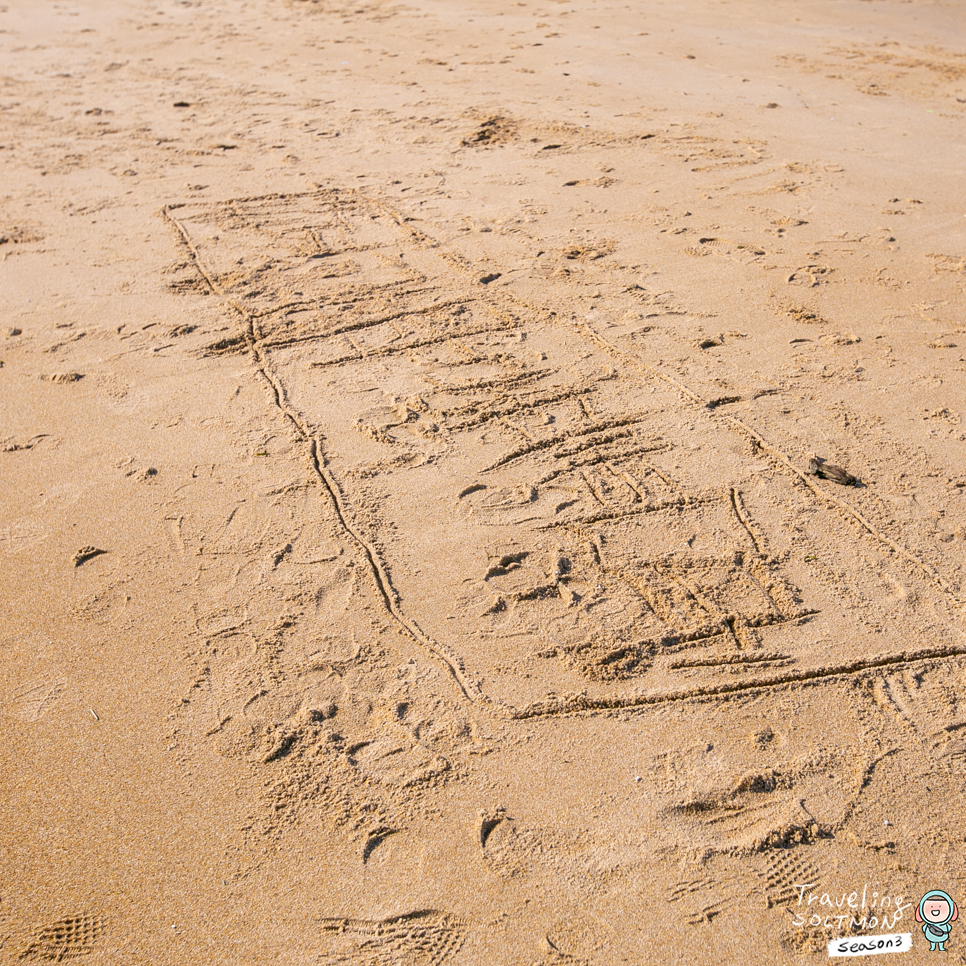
(408, 544)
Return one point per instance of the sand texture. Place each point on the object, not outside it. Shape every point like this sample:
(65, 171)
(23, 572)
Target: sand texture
(483, 484)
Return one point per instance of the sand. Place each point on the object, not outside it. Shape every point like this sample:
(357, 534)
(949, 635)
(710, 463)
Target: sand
(408, 547)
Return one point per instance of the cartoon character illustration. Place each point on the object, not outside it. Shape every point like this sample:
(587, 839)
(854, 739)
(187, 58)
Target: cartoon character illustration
(937, 912)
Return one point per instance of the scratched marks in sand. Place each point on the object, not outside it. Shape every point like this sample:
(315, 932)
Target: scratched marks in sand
(563, 524)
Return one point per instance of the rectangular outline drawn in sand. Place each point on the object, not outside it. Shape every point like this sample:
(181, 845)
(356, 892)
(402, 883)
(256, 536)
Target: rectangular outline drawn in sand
(334, 285)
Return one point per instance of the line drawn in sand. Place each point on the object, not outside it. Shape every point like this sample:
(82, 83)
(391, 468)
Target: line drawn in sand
(32, 701)
(642, 554)
(925, 704)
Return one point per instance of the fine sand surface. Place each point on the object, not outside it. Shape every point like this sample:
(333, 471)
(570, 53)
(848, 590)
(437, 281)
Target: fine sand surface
(408, 549)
